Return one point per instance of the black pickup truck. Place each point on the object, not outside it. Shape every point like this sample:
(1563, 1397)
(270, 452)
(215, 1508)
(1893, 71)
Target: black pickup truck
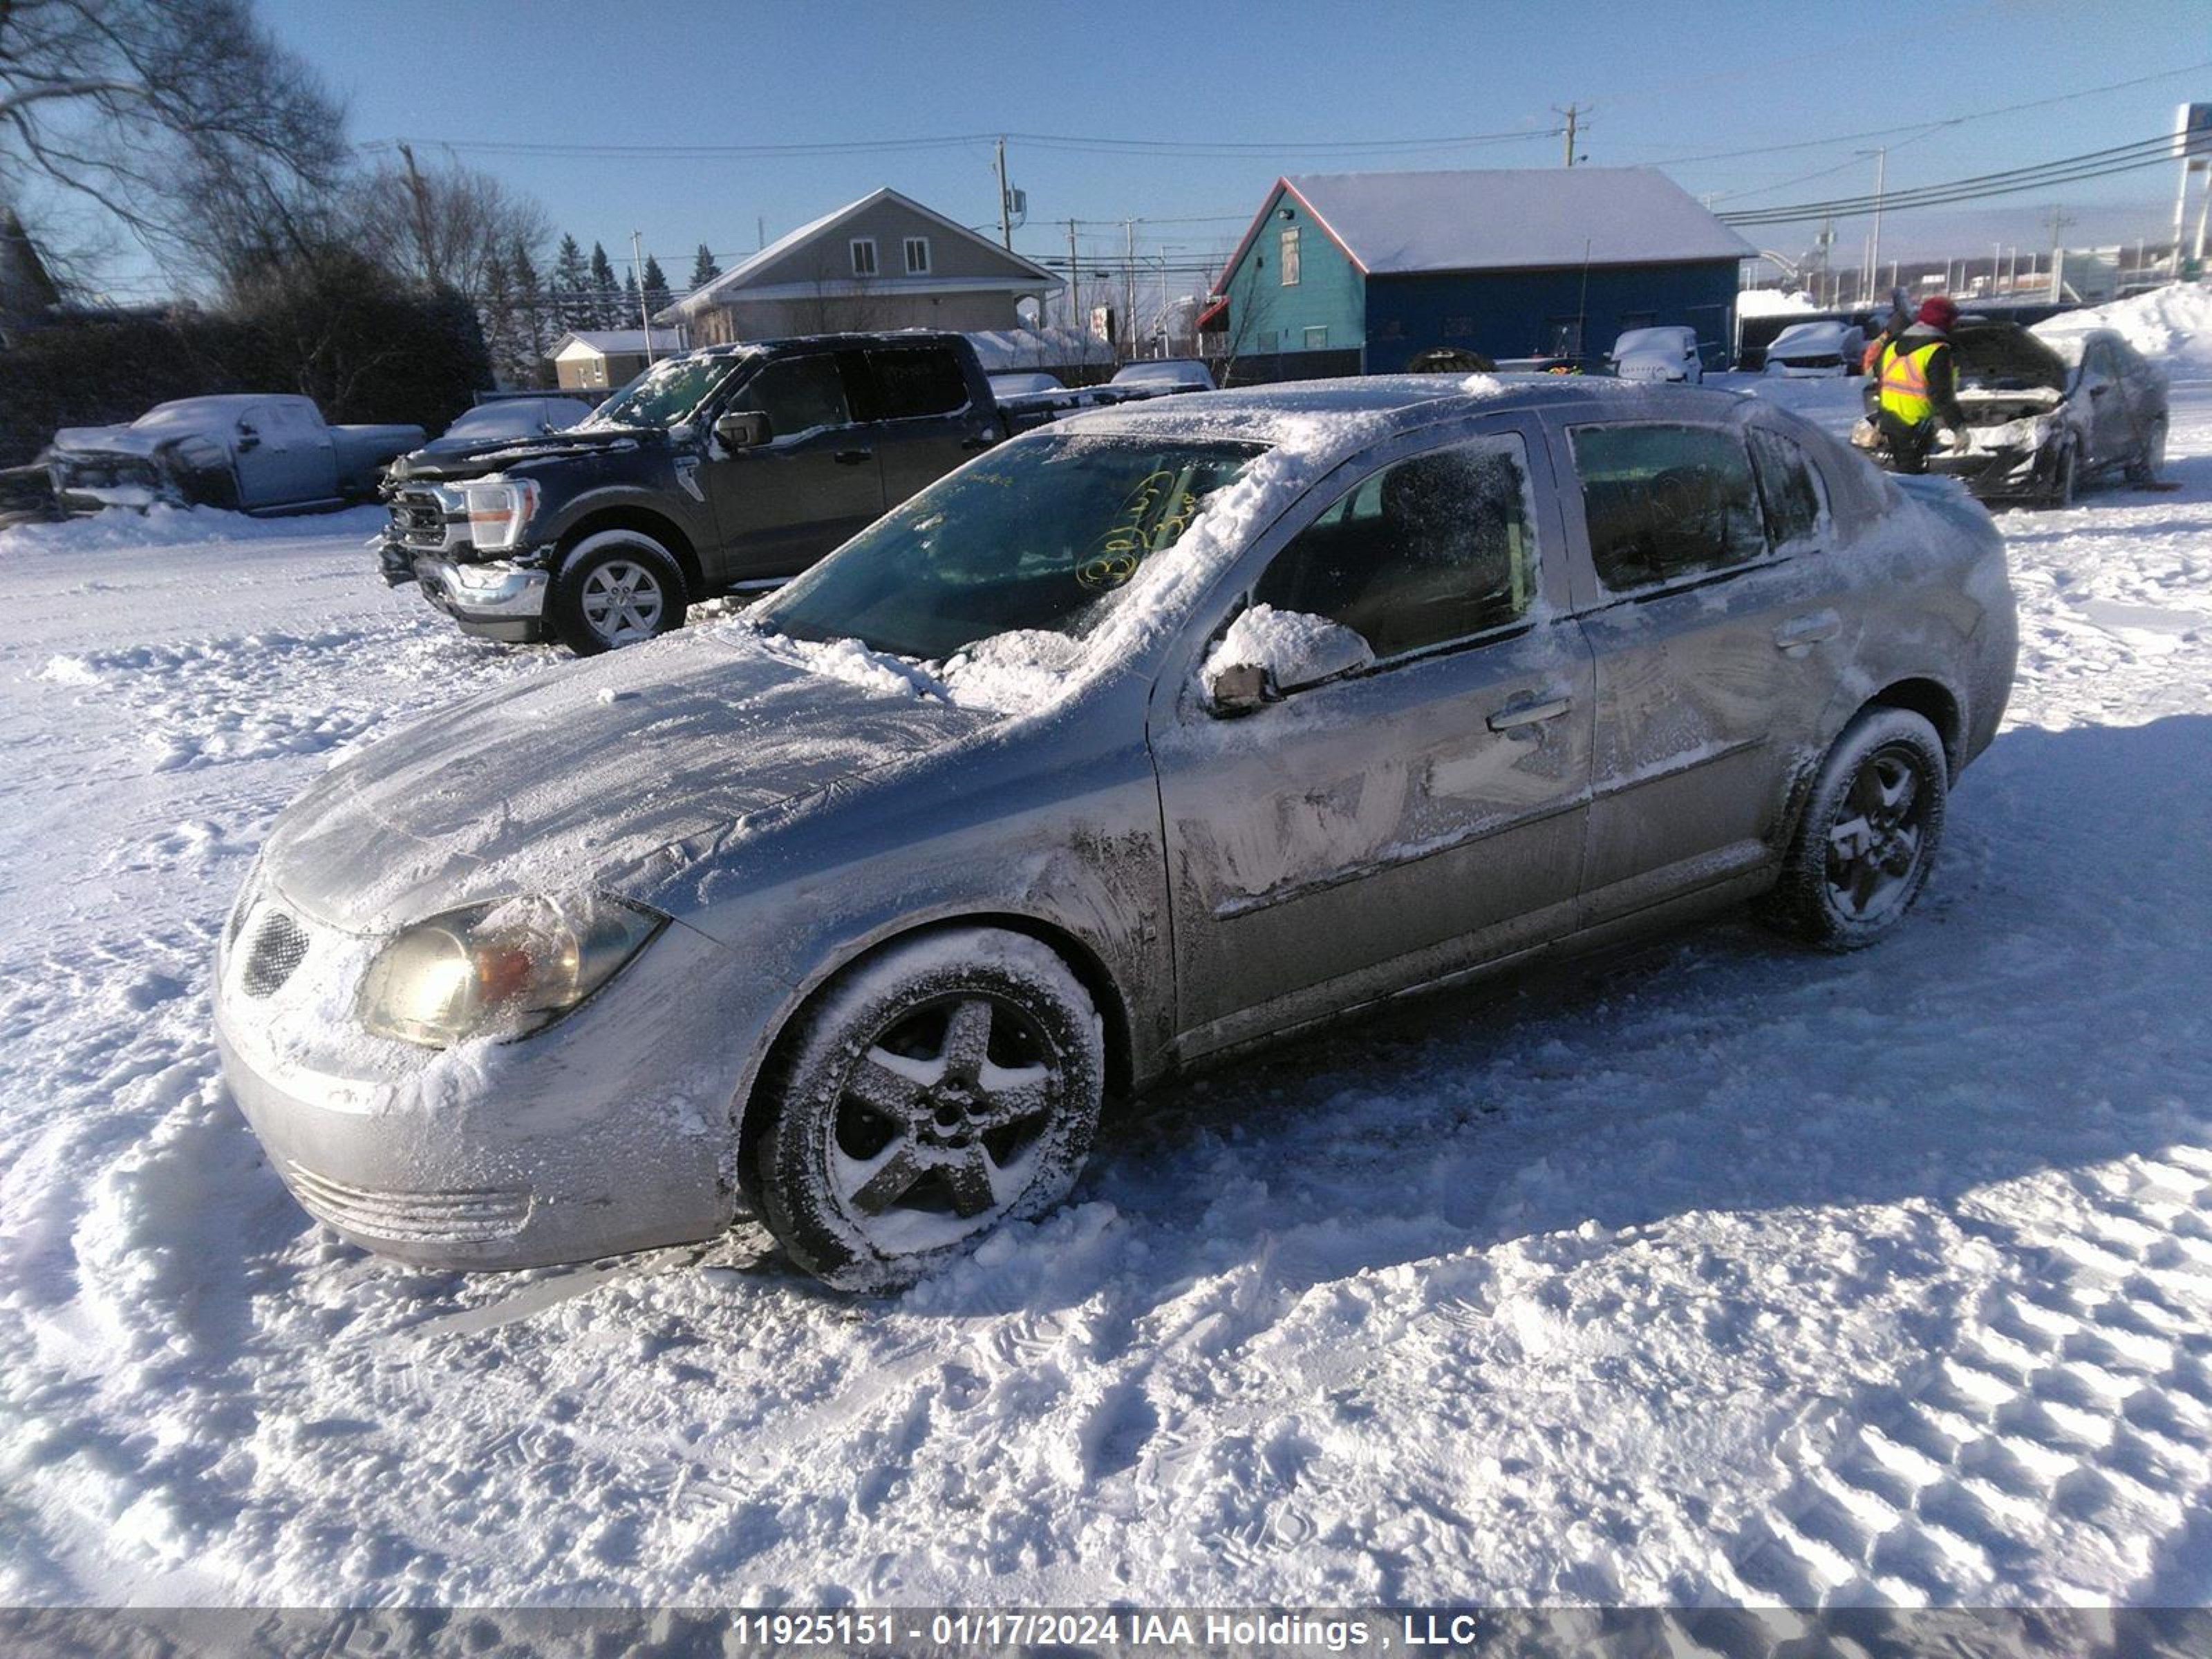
(726, 466)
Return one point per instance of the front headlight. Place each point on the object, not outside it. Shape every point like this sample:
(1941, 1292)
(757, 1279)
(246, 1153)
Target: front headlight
(498, 509)
(503, 969)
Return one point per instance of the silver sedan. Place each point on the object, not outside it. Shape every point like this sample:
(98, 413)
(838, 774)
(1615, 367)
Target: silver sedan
(1138, 740)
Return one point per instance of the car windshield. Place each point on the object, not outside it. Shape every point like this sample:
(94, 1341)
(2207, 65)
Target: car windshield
(1045, 534)
(665, 393)
(1649, 339)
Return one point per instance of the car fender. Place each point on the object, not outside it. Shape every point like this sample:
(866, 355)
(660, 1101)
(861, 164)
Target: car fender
(691, 522)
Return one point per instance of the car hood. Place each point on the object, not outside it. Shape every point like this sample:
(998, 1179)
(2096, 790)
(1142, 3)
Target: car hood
(112, 440)
(471, 459)
(579, 775)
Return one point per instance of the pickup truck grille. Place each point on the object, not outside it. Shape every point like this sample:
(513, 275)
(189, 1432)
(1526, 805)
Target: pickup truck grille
(423, 522)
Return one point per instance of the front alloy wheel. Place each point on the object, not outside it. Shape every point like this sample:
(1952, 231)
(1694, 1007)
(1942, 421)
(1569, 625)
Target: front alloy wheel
(614, 588)
(622, 603)
(949, 1084)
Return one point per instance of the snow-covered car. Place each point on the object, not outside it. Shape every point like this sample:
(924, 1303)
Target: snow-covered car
(505, 418)
(1824, 350)
(1165, 375)
(255, 453)
(1024, 384)
(1145, 737)
(2044, 417)
(1658, 354)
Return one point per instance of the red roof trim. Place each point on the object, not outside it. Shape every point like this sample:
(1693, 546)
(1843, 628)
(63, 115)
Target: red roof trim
(1283, 186)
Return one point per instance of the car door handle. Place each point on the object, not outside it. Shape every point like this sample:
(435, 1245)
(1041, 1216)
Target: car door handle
(1803, 633)
(852, 457)
(1528, 714)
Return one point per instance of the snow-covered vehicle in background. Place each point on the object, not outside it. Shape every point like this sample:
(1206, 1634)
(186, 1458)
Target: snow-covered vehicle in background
(1817, 350)
(1159, 732)
(2044, 417)
(1658, 354)
(1165, 375)
(508, 417)
(254, 452)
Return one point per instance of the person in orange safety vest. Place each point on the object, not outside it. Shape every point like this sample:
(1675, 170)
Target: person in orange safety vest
(1917, 387)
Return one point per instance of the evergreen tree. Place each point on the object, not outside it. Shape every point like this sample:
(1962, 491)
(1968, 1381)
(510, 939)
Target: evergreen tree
(495, 315)
(703, 268)
(657, 296)
(574, 306)
(531, 331)
(629, 314)
(606, 305)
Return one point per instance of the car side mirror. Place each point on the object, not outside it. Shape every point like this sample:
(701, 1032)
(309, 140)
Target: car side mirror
(1267, 654)
(743, 428)
(248, 438)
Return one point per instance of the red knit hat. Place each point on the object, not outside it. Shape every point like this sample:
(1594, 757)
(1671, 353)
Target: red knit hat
(1938, 312)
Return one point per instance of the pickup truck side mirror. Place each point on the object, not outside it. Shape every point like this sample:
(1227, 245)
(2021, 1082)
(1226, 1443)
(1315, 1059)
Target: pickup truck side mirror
(248, 438)
(743, 428)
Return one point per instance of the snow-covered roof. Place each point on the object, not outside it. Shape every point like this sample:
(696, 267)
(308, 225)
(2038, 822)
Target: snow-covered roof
(1521, 219)
(746, 274)
(618, 342)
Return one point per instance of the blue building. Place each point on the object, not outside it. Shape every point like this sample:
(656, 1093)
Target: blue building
(1349, 273)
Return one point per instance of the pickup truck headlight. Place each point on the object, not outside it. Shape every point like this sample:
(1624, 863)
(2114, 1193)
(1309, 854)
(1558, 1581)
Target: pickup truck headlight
(503, 969)
(498, 509)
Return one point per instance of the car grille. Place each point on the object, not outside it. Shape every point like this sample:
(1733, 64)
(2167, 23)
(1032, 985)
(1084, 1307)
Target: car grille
(468, 1217)
(423, 519)
(279, 946)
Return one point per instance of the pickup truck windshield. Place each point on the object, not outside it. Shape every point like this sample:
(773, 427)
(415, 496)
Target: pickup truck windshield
(666, 392)
(1045, 534)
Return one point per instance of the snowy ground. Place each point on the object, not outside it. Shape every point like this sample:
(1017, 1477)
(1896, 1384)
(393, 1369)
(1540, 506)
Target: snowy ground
(1716, 1272)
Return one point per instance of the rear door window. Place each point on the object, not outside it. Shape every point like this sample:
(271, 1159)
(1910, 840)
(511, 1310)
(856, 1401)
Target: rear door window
(917, 380)
(1667, 503)
(1789, 488)
(1438, 547)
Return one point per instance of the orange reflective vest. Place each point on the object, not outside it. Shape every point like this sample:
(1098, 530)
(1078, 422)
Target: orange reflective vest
(1904, 382)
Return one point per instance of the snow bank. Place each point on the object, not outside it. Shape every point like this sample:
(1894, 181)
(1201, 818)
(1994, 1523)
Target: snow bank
(180, 526)
(1771, 302)
(2172, 323)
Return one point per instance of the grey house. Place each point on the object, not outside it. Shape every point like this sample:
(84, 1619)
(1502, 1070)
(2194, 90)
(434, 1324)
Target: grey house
(883, 262)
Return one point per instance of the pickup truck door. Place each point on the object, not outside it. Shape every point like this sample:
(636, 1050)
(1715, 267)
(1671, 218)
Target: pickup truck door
(925, 419)
(284, 455)
(781, 505)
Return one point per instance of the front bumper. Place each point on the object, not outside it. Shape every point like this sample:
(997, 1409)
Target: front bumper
(1997, 475)
(494, 1156)
(496, 599)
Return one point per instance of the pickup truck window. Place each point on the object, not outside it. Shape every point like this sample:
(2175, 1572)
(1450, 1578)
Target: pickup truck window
(798, 395)
(923, 381)
(1046, 535)
(666, 392)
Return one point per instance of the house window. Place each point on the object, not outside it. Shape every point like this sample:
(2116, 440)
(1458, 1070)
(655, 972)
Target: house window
(1291, 257)
(917, 256)
(1317, 339)
(864, 256)
(1270, 339)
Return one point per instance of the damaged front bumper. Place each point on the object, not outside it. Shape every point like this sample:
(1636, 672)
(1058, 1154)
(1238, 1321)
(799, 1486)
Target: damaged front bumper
(495, 599)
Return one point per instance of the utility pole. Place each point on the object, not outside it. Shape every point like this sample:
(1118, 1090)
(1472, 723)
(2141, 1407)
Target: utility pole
(1075, 317)
(644, 312)
(1873, 244)
(2057, 219)
(1997, 258)
(1006, 211)
(420, 192)
(1129, 284)
(1574, 113)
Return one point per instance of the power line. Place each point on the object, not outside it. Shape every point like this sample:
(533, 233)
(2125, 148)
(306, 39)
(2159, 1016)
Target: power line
(2093, 164)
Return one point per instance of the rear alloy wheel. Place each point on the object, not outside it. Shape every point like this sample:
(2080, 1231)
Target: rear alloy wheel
(1869, 836)
(2150, 461)
(949, 1084)
(615, 588)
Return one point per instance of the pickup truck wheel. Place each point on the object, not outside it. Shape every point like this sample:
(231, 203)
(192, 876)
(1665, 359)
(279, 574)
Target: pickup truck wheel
(952, 1083)
(616, 588)
(1868, 835)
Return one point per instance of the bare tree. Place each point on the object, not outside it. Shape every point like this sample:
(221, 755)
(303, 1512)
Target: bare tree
(183, 119)
(444, 227)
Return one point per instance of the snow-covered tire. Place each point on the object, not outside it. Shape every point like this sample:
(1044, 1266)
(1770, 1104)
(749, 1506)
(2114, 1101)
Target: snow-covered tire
(2150, 459)
(615, 587)
(2064, 480)
(1868, 834)
(952, 1083)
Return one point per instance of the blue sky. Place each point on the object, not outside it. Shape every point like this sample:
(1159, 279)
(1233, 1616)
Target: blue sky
(1666, 82)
